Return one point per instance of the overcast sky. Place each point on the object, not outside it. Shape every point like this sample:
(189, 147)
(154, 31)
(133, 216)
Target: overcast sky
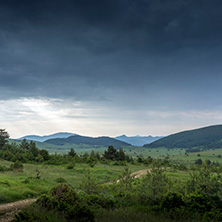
(134, 67)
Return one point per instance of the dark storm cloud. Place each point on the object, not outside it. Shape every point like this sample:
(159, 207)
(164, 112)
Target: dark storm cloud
(86, 49)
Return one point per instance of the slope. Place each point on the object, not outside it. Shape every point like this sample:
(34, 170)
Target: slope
(43, 138)
(206, 137)
(97, 141)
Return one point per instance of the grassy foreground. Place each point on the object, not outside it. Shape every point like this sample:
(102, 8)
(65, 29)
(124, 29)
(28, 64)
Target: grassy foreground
(15, 185)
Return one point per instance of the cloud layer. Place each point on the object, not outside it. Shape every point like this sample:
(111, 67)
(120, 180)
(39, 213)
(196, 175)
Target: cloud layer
(162, 56)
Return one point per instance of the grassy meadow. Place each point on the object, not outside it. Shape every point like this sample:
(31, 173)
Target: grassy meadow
(174, 182)
(15, 185)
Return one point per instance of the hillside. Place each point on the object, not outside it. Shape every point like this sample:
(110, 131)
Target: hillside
(98, 141)
(206, 137)
(138, 140)
(44, 138)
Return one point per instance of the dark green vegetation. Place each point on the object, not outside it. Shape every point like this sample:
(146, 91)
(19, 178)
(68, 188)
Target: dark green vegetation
(193, 140)
(158, 196)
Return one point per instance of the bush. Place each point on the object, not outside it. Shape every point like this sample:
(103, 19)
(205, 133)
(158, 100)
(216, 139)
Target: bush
(62, 200)
(2, 168)
(89, 183)
(60, 180)
(17, 166)
(199, 203)
(98, 200)
(171, 201)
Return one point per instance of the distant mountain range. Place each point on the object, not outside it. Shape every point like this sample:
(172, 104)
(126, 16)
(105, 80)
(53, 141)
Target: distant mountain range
(44, 138)
(138, 140)
(97, 141)
(128, 141)
(205, 138)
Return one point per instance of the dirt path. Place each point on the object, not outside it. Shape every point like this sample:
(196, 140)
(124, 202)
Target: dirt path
(7, 211)
(140, 173)
(135, 174)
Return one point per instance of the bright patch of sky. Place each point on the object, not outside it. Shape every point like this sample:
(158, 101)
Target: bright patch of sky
(42, 116)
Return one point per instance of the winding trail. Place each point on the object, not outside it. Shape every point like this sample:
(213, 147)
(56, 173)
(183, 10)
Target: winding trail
(8, 211)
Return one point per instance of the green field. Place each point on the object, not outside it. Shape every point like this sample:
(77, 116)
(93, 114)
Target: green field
(21, 185)
(162, 173)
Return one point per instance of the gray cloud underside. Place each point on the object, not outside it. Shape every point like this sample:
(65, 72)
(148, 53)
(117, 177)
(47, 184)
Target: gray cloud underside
(155, 53)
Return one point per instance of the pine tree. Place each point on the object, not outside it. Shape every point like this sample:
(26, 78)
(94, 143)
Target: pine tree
(110, 154)
(24, 144)
(72, 152)
(3, 136)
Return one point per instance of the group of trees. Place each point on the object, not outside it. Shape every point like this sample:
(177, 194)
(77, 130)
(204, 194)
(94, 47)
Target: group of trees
(24, 152)
(28, 152)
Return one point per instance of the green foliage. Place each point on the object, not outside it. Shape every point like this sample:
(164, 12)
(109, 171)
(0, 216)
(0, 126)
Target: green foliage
(198, 162)
(44, 154)
(24, 145)
(3, 136)
(60, 180)
(99, 200)
(18, 166)
(89, 184)
(171, 201)
(71, 164)
(110, 154)
(204, 180)
(60, 199)
(2, 168)
(156, 183)
(125, 182)
(72, 152)
(199, 203)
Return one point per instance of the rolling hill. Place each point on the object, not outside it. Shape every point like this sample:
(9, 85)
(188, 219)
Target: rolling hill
(205, 138)
(97, 141)
(44, 138)
(138, 140)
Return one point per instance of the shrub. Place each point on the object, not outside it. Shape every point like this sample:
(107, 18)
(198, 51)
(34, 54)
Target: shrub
(171, 201)
(62, 200)
(17, 166)
(60, 180)
(2, 168)
(199, 203)
(89, 183)
(64, 193)
(100, 200)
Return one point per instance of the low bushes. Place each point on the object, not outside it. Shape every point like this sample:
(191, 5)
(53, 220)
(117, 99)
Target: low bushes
(61, 200)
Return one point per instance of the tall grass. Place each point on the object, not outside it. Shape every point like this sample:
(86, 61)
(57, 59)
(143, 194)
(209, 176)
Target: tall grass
(16, 185)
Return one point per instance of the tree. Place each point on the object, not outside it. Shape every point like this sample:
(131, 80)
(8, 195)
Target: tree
(110, 154)
(24, 144)
(3, 136)
(44, 154)
(92, 155)
(72, 152)
(198, 162)
(121, 155)
(33, 149)
(89, 183)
